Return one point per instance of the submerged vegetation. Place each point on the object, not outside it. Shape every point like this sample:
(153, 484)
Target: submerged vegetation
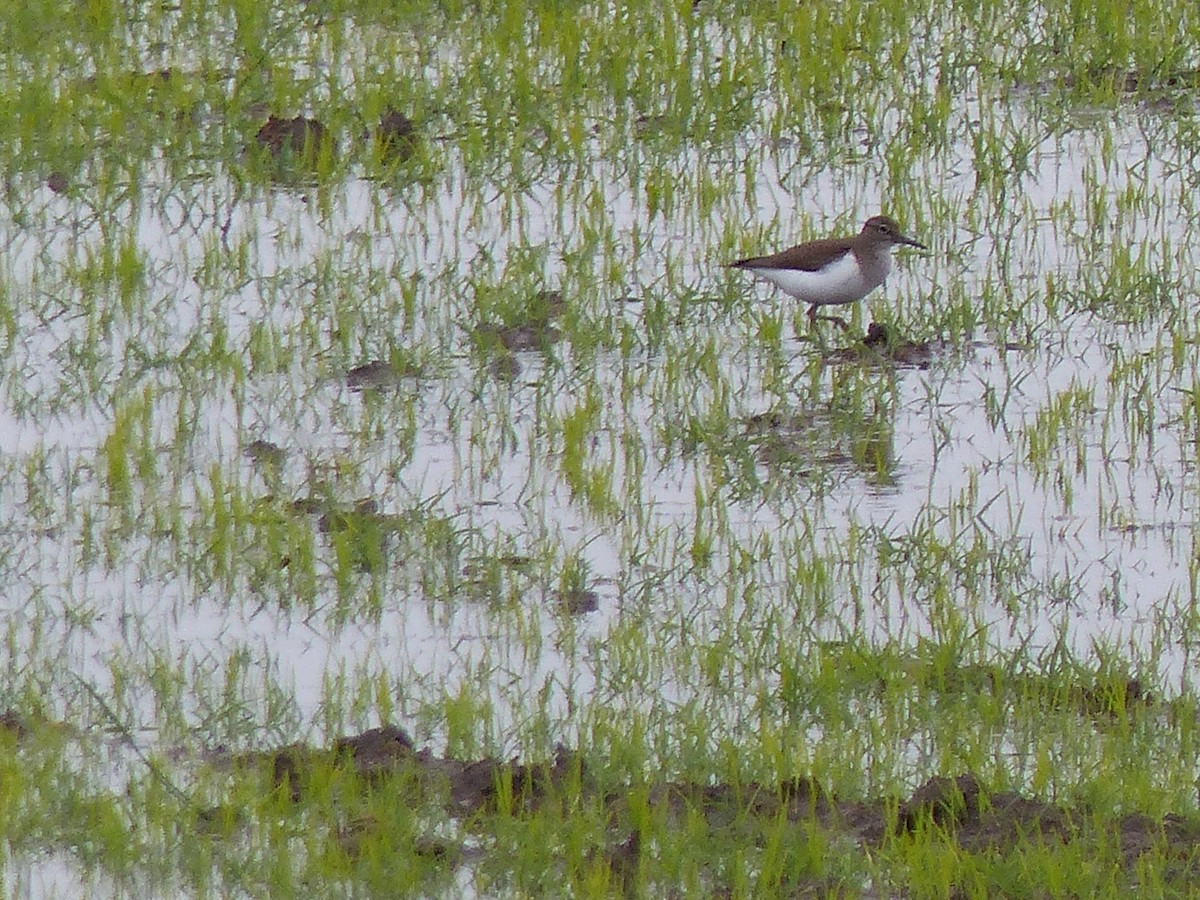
(402, 498)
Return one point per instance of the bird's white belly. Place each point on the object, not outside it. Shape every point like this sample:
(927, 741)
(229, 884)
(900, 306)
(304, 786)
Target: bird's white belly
(839, 282)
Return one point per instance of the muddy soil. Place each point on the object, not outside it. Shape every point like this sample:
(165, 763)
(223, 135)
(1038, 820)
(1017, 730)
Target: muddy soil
(962, 809)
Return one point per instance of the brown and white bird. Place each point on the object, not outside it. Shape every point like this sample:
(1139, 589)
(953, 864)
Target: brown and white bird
(833, 271)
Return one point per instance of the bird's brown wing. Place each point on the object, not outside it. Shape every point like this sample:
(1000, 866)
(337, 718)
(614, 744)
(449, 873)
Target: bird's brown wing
(808, 257)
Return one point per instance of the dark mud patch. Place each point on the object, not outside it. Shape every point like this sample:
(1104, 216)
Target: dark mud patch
(379, 375)
(884, 346)
(364, 519)
(396, 137)
(515, 338)
(375, 375)
(528, 326)
(360, 532)
(465, 786)
(504, 366)
(222, 820)
(1135, 81)
(577, 601)
(291, 151)
(298, 137)
(334, 516)
(58, 181)
(960, 812)
(18, 725)
(809, 443)
(356, 837)
(1103, 698)
(265, 454)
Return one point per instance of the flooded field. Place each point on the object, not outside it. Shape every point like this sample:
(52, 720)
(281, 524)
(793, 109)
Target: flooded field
(403, 497)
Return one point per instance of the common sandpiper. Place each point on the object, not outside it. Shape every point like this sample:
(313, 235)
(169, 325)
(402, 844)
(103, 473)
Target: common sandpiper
(833, 271)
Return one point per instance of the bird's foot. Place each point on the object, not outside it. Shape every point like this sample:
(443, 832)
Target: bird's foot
(837, 320)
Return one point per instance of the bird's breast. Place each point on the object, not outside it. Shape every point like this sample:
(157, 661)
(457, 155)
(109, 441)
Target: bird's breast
(842, 281)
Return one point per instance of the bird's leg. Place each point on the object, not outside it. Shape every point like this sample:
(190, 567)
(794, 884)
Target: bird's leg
(837, 320)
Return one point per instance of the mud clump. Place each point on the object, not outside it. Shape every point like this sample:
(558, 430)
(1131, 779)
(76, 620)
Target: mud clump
(380, 375)
(943, 801)
(16, 724)
(377, 750)
(527, 328)
(577, 601)
(298, 136)
(884, 345)
(469, 786)
(396, 136)
(516, 338)
(961, 809)
(292, 151)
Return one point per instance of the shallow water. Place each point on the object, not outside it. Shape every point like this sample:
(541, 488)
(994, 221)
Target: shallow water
(1090, 537)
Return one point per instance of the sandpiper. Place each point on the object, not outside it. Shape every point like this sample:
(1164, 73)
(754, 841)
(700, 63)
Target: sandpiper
(833, 271)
